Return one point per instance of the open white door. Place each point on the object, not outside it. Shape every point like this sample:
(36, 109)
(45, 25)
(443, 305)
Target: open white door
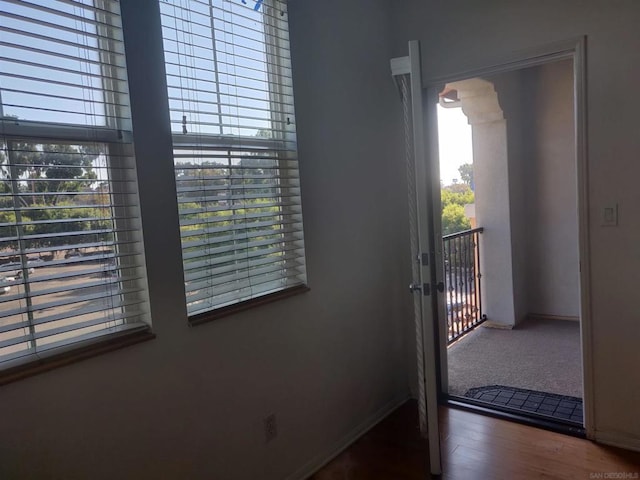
(407, 72)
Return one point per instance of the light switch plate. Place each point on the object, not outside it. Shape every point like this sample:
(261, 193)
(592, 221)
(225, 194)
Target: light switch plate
(610, 215)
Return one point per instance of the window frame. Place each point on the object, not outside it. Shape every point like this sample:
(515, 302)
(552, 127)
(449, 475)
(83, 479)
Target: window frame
(117, 137)
(284, 144)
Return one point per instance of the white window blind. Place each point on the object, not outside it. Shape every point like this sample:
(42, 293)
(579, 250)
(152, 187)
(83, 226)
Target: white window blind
(71, 258)
(232, 118)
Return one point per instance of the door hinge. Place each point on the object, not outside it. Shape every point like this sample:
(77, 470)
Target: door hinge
(424, 259)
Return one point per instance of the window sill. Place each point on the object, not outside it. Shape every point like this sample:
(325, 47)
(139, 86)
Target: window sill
(34, 364)
(207, 317)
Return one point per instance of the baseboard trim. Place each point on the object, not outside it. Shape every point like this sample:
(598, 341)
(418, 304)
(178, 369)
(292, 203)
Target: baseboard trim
(619, 440)
(501, 326)
(321, 460)
(542, 316)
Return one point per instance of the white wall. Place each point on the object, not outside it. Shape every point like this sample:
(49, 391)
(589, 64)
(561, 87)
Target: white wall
(554, 262)
(539, 109)
(190, 403)
(458, 36)
(552, 234)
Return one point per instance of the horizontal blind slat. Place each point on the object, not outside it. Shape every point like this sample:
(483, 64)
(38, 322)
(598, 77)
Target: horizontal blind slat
(107, 331)
(239, 258)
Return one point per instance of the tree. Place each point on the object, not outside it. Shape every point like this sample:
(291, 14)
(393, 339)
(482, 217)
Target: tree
(454, 219)
(67, 168)
(236, 203)
(453, 199)
(466, 174)
(44, 180)
(459, 194)
(48, 171)
(230, 205)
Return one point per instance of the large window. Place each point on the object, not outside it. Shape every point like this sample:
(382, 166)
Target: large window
(232, 118)
(71, 260)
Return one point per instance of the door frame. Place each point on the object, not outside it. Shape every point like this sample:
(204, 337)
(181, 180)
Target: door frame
(574, 49)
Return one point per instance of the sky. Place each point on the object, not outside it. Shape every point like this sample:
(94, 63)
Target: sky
(454, 139)
(54, 75)
(222, 91)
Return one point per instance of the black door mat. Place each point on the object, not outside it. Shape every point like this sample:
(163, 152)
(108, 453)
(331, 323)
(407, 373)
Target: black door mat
(559, 407)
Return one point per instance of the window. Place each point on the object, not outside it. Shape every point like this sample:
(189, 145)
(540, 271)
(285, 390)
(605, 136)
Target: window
(232, 119)
(71, 259)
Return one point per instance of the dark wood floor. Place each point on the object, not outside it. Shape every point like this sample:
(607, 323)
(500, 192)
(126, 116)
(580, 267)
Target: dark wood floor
(475, 447)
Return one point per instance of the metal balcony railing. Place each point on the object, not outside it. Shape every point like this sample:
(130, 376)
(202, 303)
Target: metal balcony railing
(462, 278)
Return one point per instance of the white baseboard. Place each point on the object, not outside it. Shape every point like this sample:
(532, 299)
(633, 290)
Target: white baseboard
(618, 440)
(544, 316)
(322, 459)
(490, 324)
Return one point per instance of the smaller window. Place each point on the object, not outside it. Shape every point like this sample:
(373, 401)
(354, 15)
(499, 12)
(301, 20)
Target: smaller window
(235, 155)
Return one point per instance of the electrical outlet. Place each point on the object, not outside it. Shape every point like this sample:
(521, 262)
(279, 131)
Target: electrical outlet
(270, 428)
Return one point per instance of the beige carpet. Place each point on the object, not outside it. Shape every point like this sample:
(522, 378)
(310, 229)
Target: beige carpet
(542, 355)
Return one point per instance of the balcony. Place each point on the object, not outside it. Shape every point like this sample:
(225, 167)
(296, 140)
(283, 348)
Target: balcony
(532, 368)
(521, 273)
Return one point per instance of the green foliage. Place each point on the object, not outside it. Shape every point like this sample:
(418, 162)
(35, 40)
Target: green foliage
(48, 170)
(8, 232)
(456, 194)
(213, 210)
(43, 220)
(453, 199)
(454, 220)
(230, 202)
(48, 178)
(72, 220)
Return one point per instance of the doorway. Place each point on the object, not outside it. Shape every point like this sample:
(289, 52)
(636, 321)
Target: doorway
(511, 323)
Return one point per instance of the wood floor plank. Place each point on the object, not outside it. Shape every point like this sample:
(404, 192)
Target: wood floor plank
(540, 447)
(474, 446)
